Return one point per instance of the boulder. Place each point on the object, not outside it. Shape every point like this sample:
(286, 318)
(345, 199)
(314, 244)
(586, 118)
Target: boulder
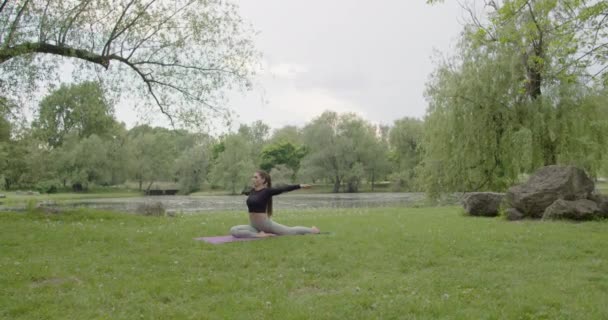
(482, 203)
(602, 203)
(582, 209)
(546, 186)
(514, 214)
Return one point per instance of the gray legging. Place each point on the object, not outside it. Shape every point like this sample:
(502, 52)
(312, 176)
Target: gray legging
(268, 226)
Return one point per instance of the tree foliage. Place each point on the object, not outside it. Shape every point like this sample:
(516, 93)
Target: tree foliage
(177, 55)
(283, 153)
(338, 149)
(81, 109)
(516, 96)
(233, 166)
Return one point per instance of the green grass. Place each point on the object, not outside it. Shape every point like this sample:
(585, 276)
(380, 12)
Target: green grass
(401, 263)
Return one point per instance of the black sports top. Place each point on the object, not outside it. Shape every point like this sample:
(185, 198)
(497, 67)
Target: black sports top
(257, 201)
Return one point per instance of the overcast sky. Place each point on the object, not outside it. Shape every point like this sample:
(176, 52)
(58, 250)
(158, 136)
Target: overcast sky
(368, 57)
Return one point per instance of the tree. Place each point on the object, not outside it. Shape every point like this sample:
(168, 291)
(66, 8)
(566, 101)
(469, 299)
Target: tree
(118, 154)
(175, 55)
(513, 99)
(281, 174)
(192, 167)
(472, 139)
(5, 119)
(283, 153)
(554, 42)
(287, 134)
(5, 134)
(376, 154)
(14, 165)
(80, 108)
(337, 147)
(89, 162)
(151, 157)
(405, 138)
(24, 162)
(256, 135)
(233, 166)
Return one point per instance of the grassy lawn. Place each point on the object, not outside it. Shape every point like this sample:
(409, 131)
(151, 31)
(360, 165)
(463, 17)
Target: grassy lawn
(401, 263)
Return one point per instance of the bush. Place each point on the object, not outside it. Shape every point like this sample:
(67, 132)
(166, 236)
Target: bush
(48, 186)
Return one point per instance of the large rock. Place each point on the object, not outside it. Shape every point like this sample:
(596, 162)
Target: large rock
(482, 203)
(547, 185)
(576, 210)
(513, 214)
(602, 204)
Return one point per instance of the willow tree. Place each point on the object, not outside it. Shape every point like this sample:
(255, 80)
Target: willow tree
(405, 138)
(519, 94)
(172, 55)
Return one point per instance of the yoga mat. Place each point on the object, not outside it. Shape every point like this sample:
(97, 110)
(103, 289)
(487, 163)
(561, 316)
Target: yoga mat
(225, 239)
(229, 238)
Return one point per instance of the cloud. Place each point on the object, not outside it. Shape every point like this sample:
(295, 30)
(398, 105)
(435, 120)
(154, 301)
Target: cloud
(287, 70)
(287, 104)
(304, 105)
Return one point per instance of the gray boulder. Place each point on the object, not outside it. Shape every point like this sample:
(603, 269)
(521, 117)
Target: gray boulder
(514, 214)
(602, 204)
(582, 209)
(482, 203)
(546, 186)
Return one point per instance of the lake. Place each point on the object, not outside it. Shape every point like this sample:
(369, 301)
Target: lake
(210, 204)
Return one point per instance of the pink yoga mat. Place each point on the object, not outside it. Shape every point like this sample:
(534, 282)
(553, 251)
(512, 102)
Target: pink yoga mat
(225, 239)
(229, 238)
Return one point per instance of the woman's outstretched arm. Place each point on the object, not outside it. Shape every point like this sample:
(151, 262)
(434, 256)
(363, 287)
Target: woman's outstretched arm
(287, 188)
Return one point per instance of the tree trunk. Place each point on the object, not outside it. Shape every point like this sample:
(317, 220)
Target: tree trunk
(353, 187)
(373, 180)
(337, 185)
(549, 155)
(534, 78)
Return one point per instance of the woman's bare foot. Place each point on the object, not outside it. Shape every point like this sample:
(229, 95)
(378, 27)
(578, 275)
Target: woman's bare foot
(315, 230)
(263, 234)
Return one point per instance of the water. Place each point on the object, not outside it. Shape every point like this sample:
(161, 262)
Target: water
(210, 204)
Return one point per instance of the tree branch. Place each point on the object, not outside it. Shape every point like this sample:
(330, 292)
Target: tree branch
(106, 47)
(162, 64)
(3, 5)
(130, 24)
(476, 21)
(71, 21)
(11, 33)
(148, 84)
(42, 37)
(159, 27)
(35, 47)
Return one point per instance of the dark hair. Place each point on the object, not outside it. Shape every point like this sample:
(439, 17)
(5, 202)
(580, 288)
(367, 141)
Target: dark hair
(264, 175)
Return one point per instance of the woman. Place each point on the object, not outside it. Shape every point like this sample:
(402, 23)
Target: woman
(259, 202)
